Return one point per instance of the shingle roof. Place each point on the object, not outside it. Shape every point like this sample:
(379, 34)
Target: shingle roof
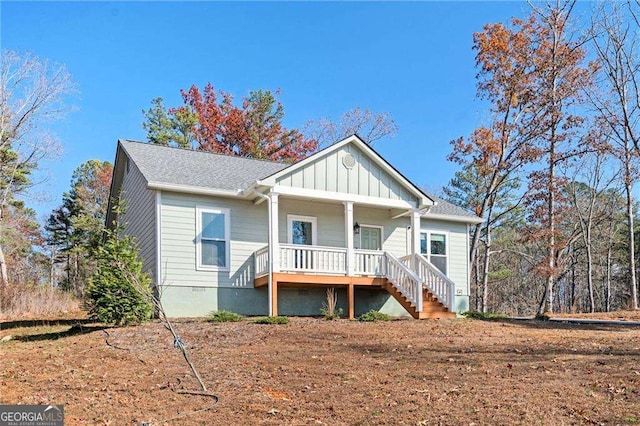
(176, 166)
(446, 208)
(185, 167)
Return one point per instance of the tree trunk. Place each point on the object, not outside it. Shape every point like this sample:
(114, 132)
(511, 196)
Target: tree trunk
(631, 240)
(487, 254)
(592, 302)
(551, 224)
(4, 276)
(476, 271)
(572, 302)
(607, 298)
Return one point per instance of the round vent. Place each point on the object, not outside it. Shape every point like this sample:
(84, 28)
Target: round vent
(348, 161)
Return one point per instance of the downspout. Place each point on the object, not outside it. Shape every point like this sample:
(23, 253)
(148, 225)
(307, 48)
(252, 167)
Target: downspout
(270, 250)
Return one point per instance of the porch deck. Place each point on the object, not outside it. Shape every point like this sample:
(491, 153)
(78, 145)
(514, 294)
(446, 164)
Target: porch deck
(414, 282)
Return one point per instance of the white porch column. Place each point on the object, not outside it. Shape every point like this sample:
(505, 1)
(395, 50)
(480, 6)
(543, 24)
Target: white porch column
(348, 232)
(274, 233)
(274, 253)
(415, 231)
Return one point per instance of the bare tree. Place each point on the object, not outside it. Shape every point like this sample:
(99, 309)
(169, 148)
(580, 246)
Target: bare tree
(614, 33)
(370, 126)
(32, 94)
(586, 192)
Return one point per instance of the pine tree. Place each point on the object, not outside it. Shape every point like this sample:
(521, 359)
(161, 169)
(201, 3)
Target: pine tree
(112, 296)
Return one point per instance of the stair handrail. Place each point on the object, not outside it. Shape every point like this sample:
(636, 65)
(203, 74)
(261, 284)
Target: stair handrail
(395, 271)
(442, 286)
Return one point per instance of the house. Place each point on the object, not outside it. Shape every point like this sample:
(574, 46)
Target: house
(218, 232)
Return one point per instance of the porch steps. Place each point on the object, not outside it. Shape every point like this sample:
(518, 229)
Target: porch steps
(432, 308)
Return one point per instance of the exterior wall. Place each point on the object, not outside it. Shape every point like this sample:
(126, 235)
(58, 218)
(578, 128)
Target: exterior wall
(395, 234)
(178, 252)
(327, 173)
(187, 291)
(191, 292)
(330, 220)
(458, 257)
(139, 217)
(331, 223)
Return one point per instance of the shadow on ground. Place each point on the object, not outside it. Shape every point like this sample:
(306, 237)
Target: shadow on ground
(567, 324)
(6, 325)
(74, 330)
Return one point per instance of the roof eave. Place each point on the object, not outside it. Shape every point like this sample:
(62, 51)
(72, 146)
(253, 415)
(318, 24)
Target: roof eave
(189, 189)
(474, 220)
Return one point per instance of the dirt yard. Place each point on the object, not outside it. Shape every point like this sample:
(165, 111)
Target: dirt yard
(311, 371)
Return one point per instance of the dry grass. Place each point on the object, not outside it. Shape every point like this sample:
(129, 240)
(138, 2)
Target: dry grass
(18, 301)
(313, 371)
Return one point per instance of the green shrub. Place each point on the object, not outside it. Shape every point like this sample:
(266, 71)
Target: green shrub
(336, 314)
(271, 320)
(328, 309)
(374, 316)
(223, 316)
(483, 315)
(119, 292)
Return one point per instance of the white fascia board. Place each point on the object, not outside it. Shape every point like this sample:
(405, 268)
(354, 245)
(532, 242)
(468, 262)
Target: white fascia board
(450, 218)
(340, 197)
(188, 189)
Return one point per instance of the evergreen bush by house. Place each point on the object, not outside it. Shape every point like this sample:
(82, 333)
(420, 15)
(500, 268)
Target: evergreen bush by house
(119, 292)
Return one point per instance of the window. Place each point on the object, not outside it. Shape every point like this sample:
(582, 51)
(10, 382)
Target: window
(434, 246)
(302, 230)
(212, 238)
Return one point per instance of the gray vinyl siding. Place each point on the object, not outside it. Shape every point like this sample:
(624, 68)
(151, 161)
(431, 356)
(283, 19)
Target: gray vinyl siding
(457, 255)
(327, 173)
(394, 231)
(139, 217)
(248, 228)
(330, 218)
(249, 232)
(331, 223)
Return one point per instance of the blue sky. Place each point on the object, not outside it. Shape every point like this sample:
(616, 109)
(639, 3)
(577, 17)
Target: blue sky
(413, 60)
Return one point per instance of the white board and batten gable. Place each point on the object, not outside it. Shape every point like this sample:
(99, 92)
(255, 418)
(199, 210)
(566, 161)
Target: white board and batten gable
(350, 170)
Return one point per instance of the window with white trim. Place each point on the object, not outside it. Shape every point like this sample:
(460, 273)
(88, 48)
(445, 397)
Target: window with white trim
(435, 247)
(302, 230)
(212, 238)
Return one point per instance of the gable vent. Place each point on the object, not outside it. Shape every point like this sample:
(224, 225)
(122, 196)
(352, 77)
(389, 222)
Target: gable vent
(348, 161)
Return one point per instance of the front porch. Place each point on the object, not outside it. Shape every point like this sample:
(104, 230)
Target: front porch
(421, 289)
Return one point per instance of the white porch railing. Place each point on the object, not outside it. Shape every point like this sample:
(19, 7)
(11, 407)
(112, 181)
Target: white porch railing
(405, 280)
(434, 280)
(262, 261)
(408, 274)
(369, 262)
(315, 259)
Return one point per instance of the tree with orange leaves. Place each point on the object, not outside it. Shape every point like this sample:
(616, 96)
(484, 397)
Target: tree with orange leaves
(212, 121)
(532, 74)
(497, 153)
(560, 78)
